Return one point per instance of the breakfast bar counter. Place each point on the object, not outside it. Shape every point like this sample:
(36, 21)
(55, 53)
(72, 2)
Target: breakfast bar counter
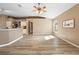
(8, 35)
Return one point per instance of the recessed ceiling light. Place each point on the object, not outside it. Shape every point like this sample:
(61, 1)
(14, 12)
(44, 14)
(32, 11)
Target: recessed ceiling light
(20, 5)
(2, 11)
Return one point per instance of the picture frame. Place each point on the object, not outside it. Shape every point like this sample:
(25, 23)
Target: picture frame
(70, 23)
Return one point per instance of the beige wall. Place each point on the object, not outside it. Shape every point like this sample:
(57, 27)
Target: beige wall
(3, 20)
(42, 26)
(70, 34)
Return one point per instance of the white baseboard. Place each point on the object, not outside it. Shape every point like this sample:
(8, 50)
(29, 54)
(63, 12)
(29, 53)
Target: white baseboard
(71, 43)
(3, 45)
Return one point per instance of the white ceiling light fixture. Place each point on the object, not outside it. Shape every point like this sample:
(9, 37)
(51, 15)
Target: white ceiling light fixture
(39, 8)
(3, 11)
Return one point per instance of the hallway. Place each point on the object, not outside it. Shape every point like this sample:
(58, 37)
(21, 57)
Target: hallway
(40, 45)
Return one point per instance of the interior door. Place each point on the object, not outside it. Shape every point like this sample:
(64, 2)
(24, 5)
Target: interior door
(30, 27)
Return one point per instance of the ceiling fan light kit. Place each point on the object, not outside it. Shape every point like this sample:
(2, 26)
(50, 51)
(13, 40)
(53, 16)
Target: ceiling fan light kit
(39, 8)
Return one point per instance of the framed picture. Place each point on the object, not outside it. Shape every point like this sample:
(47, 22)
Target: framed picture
(69, 23)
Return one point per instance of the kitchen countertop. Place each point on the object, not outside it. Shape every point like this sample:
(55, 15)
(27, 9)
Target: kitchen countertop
(9, 29)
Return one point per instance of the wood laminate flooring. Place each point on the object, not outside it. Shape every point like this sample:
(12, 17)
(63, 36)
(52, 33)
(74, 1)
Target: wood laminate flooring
(39, 45)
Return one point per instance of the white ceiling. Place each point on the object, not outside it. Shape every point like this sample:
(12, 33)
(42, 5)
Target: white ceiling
(53, 9)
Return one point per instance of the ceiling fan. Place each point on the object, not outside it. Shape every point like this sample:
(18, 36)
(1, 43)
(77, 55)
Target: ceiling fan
(39, 8)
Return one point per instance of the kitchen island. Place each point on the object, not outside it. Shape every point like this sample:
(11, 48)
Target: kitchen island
(8, 35)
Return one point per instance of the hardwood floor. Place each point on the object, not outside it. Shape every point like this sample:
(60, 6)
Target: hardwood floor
(40, 45)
